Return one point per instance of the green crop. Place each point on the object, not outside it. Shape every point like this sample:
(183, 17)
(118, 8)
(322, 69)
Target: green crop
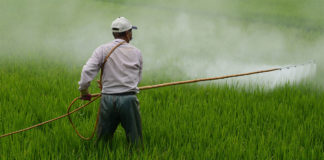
(181, 122)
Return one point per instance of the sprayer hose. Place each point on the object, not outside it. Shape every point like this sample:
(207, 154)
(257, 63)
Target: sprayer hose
(98, 95)
(54, 119)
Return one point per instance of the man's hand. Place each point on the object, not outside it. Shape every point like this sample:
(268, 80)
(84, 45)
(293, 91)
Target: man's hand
(85, 95)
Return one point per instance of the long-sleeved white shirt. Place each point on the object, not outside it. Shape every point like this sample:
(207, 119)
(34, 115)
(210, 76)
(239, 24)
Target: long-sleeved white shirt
(122, 71)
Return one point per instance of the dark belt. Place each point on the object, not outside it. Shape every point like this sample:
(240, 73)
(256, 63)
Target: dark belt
(120, 94)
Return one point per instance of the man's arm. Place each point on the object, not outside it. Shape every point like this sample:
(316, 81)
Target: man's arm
(89, 71)
(141, 68)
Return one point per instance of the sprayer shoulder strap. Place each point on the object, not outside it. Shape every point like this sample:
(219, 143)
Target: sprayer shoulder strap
(106, 58)
(111, 51)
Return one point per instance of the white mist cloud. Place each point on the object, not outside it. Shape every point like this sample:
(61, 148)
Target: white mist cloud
(179, 41)
(214, 47)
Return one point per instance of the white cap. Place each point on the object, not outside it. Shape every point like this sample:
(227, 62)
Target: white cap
(121, 24)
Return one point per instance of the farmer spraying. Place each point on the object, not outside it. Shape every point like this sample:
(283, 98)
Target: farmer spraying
(121, 71)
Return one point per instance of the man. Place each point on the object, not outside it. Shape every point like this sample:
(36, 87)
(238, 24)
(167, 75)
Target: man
(122, 72)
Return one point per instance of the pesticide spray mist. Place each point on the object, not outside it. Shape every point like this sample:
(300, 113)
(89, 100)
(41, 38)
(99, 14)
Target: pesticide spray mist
(179, 40)
(292, 74)
(222, 47)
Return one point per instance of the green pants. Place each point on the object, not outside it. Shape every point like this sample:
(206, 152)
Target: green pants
(124, 109)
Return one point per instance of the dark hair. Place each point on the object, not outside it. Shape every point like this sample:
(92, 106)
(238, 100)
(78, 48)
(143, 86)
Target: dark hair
(119, 34)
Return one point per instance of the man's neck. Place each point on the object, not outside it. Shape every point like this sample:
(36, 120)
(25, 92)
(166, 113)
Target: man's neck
(124, 38)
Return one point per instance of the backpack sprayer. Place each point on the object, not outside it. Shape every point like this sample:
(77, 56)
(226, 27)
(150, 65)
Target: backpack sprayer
(98, 95)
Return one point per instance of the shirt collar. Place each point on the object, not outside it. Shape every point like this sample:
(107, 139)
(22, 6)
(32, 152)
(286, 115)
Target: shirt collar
(119, 40)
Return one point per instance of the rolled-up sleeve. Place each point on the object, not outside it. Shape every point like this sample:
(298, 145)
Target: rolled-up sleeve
(90, 69)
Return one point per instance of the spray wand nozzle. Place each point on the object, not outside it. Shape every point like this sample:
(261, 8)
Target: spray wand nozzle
(299, 65)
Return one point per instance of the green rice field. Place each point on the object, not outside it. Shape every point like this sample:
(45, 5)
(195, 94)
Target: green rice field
(44, 45)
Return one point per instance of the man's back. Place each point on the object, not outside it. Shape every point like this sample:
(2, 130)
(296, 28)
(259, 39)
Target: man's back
(122, 71)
